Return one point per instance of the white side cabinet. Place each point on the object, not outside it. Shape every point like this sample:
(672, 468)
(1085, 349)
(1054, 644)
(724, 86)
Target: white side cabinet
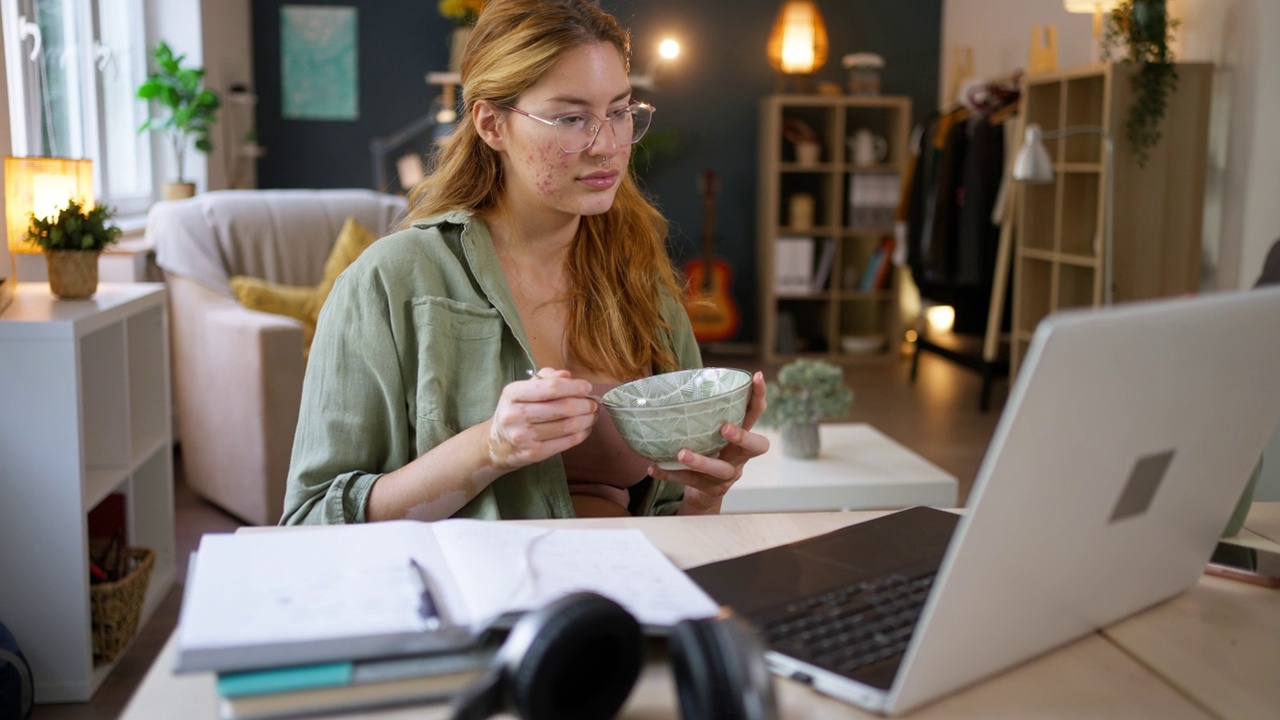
(84, 413)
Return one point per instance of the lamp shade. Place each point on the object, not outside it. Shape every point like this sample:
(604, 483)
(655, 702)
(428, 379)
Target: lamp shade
(1032, 164)
(41, 186)
(798, 42)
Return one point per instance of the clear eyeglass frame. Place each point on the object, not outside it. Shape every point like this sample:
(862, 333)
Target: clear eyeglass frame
(576, 131)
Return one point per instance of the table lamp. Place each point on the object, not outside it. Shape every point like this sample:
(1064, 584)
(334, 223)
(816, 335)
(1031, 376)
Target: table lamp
(798, 42)
(1032, 164)
(42, 186)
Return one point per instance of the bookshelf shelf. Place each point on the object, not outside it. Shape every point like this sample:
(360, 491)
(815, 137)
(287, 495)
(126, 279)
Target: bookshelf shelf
(855, 299)
(1059, 258)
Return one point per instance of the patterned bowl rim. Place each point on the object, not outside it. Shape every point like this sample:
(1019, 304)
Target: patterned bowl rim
(645, 408)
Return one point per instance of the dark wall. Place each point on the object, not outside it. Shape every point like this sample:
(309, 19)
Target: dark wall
(708, 98)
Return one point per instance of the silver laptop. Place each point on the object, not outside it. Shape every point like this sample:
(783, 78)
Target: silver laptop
(1126, 442)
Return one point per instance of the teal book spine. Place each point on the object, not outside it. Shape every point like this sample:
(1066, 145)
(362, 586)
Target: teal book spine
(286, 679)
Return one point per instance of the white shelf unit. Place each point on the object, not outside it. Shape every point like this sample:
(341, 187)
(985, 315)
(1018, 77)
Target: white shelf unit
(84, 388)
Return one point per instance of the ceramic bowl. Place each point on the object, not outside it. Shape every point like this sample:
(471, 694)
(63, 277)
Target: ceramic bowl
(862, 344)
(658, 415)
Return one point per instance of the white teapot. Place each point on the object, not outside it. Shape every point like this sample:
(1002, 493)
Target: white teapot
(867, 148)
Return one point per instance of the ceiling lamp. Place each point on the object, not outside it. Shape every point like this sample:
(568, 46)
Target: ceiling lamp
(798, 42)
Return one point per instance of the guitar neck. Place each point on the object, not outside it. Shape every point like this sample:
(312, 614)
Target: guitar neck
(707, 183)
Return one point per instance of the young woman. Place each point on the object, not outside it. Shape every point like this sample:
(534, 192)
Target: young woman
(450, 370)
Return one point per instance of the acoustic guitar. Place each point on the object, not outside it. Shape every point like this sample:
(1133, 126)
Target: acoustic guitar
(707, 299)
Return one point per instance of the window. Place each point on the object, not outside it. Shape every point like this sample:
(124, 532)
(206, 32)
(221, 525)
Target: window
(73, 68)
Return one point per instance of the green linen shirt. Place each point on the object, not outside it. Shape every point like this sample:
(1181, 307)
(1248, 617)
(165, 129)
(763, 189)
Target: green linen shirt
(414, 344)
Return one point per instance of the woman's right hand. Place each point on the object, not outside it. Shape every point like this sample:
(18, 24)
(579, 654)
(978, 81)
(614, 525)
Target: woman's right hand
(540, 417)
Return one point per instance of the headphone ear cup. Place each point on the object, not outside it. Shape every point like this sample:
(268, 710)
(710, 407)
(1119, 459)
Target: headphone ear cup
(580, 664)
(719, 670)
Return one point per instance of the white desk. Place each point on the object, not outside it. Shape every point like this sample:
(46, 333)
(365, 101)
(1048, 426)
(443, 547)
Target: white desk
(1167, 662)
(858, 468)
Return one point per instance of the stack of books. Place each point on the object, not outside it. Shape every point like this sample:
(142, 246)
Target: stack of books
(300, 622)
(305, 690)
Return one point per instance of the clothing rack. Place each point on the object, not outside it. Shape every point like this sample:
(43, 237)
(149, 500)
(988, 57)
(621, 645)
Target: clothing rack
(997, 102)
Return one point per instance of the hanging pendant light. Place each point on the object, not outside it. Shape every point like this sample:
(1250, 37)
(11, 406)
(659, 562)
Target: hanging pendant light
(798, 42)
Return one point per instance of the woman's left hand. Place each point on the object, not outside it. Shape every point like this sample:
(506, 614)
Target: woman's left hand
(707, 479)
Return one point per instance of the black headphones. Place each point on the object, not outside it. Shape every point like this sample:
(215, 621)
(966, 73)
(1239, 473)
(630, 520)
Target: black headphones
(578, 657)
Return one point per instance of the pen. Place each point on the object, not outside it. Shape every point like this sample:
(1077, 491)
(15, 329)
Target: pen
(428, 608)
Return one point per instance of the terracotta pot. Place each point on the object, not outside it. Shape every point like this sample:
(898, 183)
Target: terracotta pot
(73, 274)
(178, 191)
(801, 441)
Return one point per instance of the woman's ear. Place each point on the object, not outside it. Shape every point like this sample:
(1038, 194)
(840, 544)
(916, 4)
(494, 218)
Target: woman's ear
(488, 123)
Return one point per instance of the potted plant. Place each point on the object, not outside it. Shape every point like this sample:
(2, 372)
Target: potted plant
(72, 239)
(191, 110)
(806, 392)
(1145, 28)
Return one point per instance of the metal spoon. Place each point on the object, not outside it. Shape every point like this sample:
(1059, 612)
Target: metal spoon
(593, 396)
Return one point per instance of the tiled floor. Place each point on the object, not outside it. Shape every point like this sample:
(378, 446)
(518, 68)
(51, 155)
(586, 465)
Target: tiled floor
(937, 417)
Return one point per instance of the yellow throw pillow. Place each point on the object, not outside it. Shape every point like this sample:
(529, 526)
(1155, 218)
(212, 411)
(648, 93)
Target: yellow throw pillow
(304, 303)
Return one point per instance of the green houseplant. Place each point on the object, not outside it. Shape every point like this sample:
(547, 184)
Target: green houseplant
(191, 107)
(806, 392)
(71, 240)
(1146, 30)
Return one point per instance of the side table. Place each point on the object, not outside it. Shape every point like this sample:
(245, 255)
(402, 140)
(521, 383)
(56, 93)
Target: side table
(858, 468)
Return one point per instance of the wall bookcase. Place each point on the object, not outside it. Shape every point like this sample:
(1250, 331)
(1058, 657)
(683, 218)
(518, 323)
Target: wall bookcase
(1059, 253)
(86, 399)
(836, 319)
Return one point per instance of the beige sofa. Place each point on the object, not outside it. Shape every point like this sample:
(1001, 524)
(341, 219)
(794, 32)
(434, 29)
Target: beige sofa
(238, 372)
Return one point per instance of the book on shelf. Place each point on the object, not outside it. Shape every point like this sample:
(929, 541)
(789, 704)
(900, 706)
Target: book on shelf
(793, 264)
(873, 199)
(823, 274)
(350, 685)
(875, 275)
(885, 265)
(287, 597)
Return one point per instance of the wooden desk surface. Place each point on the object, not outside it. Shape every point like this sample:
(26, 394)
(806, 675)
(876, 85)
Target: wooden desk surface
(1217, 643)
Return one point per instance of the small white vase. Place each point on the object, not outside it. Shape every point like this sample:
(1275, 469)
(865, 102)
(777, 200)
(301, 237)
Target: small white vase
(801, 441)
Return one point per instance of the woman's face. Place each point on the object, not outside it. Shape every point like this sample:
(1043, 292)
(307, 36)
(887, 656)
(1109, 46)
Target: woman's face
(589, 78)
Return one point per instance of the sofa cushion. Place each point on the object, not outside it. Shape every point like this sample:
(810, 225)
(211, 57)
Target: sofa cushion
(304, 302)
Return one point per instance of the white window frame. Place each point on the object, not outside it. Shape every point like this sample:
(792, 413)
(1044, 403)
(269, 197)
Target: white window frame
(26, 111)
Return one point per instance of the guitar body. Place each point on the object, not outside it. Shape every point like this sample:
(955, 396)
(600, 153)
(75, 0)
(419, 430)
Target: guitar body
(709, 304)
(707, 300)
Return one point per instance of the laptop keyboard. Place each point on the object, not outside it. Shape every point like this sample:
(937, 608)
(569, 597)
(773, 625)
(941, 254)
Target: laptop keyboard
(849, 627)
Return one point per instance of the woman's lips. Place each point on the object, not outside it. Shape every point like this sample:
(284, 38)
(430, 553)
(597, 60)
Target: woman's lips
(602, 180)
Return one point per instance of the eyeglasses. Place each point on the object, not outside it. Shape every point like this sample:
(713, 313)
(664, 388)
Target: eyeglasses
(576, 131)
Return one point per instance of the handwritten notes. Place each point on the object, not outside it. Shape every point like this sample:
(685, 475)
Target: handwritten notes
(260, 599)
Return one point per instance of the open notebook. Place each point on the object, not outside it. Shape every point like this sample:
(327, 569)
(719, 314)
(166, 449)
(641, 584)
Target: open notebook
(284, 597)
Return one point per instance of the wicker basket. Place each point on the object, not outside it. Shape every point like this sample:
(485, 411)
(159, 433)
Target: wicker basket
(116, 606)
(73, 274)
